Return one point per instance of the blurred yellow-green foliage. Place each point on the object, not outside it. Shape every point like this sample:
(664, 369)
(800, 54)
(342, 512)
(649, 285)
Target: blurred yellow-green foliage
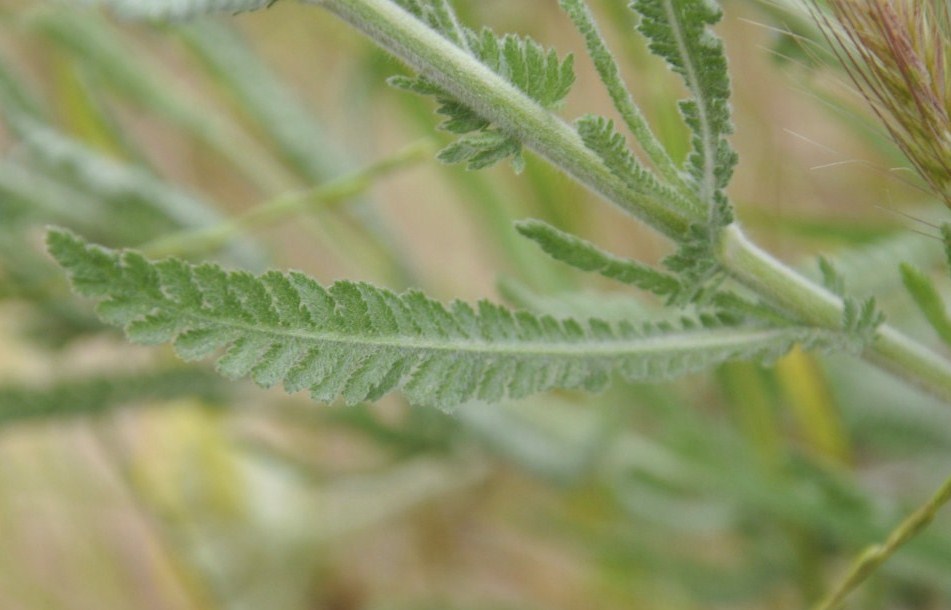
(130, 481)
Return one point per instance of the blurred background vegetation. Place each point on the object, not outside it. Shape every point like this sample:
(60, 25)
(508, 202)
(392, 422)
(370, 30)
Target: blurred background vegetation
(128, 480)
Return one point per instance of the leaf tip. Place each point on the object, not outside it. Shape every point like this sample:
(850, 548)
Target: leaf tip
(529, 227)
(61, 242)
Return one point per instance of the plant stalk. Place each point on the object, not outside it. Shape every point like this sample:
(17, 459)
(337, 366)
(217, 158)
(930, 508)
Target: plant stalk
(889, 350)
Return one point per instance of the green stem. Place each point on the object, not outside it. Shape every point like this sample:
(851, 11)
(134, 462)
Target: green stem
(497, 100)
(875, 555)
(286, 205)
(890, 350)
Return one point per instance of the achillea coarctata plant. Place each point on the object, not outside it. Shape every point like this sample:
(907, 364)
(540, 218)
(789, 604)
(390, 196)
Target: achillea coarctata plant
(898, 53)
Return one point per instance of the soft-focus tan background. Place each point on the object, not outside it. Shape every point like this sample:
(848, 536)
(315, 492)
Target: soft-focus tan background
(745, 488)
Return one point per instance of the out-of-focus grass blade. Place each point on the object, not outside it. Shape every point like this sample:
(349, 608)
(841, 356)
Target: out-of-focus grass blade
(298, 136)
(806, 391)
(90, 118)
(552, 445)
(258, 92)
(47, 199)
(120, 66)
(753, 406)
(928, 300)
(103, 180)
(852, 231)
(95, 395)
(178, 9)
(880, 413)
(866, 266)
(326, 196)
(52, 151)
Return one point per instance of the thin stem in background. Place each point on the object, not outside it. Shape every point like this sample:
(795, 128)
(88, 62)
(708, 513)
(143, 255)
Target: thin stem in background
(287, 205)
(875, 555)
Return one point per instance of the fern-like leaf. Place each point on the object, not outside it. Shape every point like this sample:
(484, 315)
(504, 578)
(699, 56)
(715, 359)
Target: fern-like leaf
(600, 135)
(679, 31)
(179, 9)
(586, 256)
(527, 65)
(610, 73)
(358, 341)
(696, 265)
(860, 321)
(437, 14)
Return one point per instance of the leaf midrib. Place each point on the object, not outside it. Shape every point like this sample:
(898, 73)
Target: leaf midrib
(693, 83)
(676, 342)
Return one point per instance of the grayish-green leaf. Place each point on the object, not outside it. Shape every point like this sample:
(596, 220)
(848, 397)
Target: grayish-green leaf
(679, 31)
(601, 137)
(359, 342)
(586, 256)
(610, 74)
(534, 70)
(860, 321)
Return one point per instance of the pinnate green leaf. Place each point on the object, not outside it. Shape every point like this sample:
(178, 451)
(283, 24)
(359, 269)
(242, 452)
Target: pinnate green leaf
(860, 320)
(679, 31)
(358, 341)
(584, 255)
(600, 135)
(536, 71)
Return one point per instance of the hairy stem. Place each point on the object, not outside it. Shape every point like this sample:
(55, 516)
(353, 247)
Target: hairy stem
(495, 99)
(890, 350)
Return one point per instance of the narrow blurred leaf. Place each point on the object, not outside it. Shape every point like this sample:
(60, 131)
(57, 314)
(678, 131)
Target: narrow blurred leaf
(178, 9)
(95, 395)
(926, 297)
(807, 393)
